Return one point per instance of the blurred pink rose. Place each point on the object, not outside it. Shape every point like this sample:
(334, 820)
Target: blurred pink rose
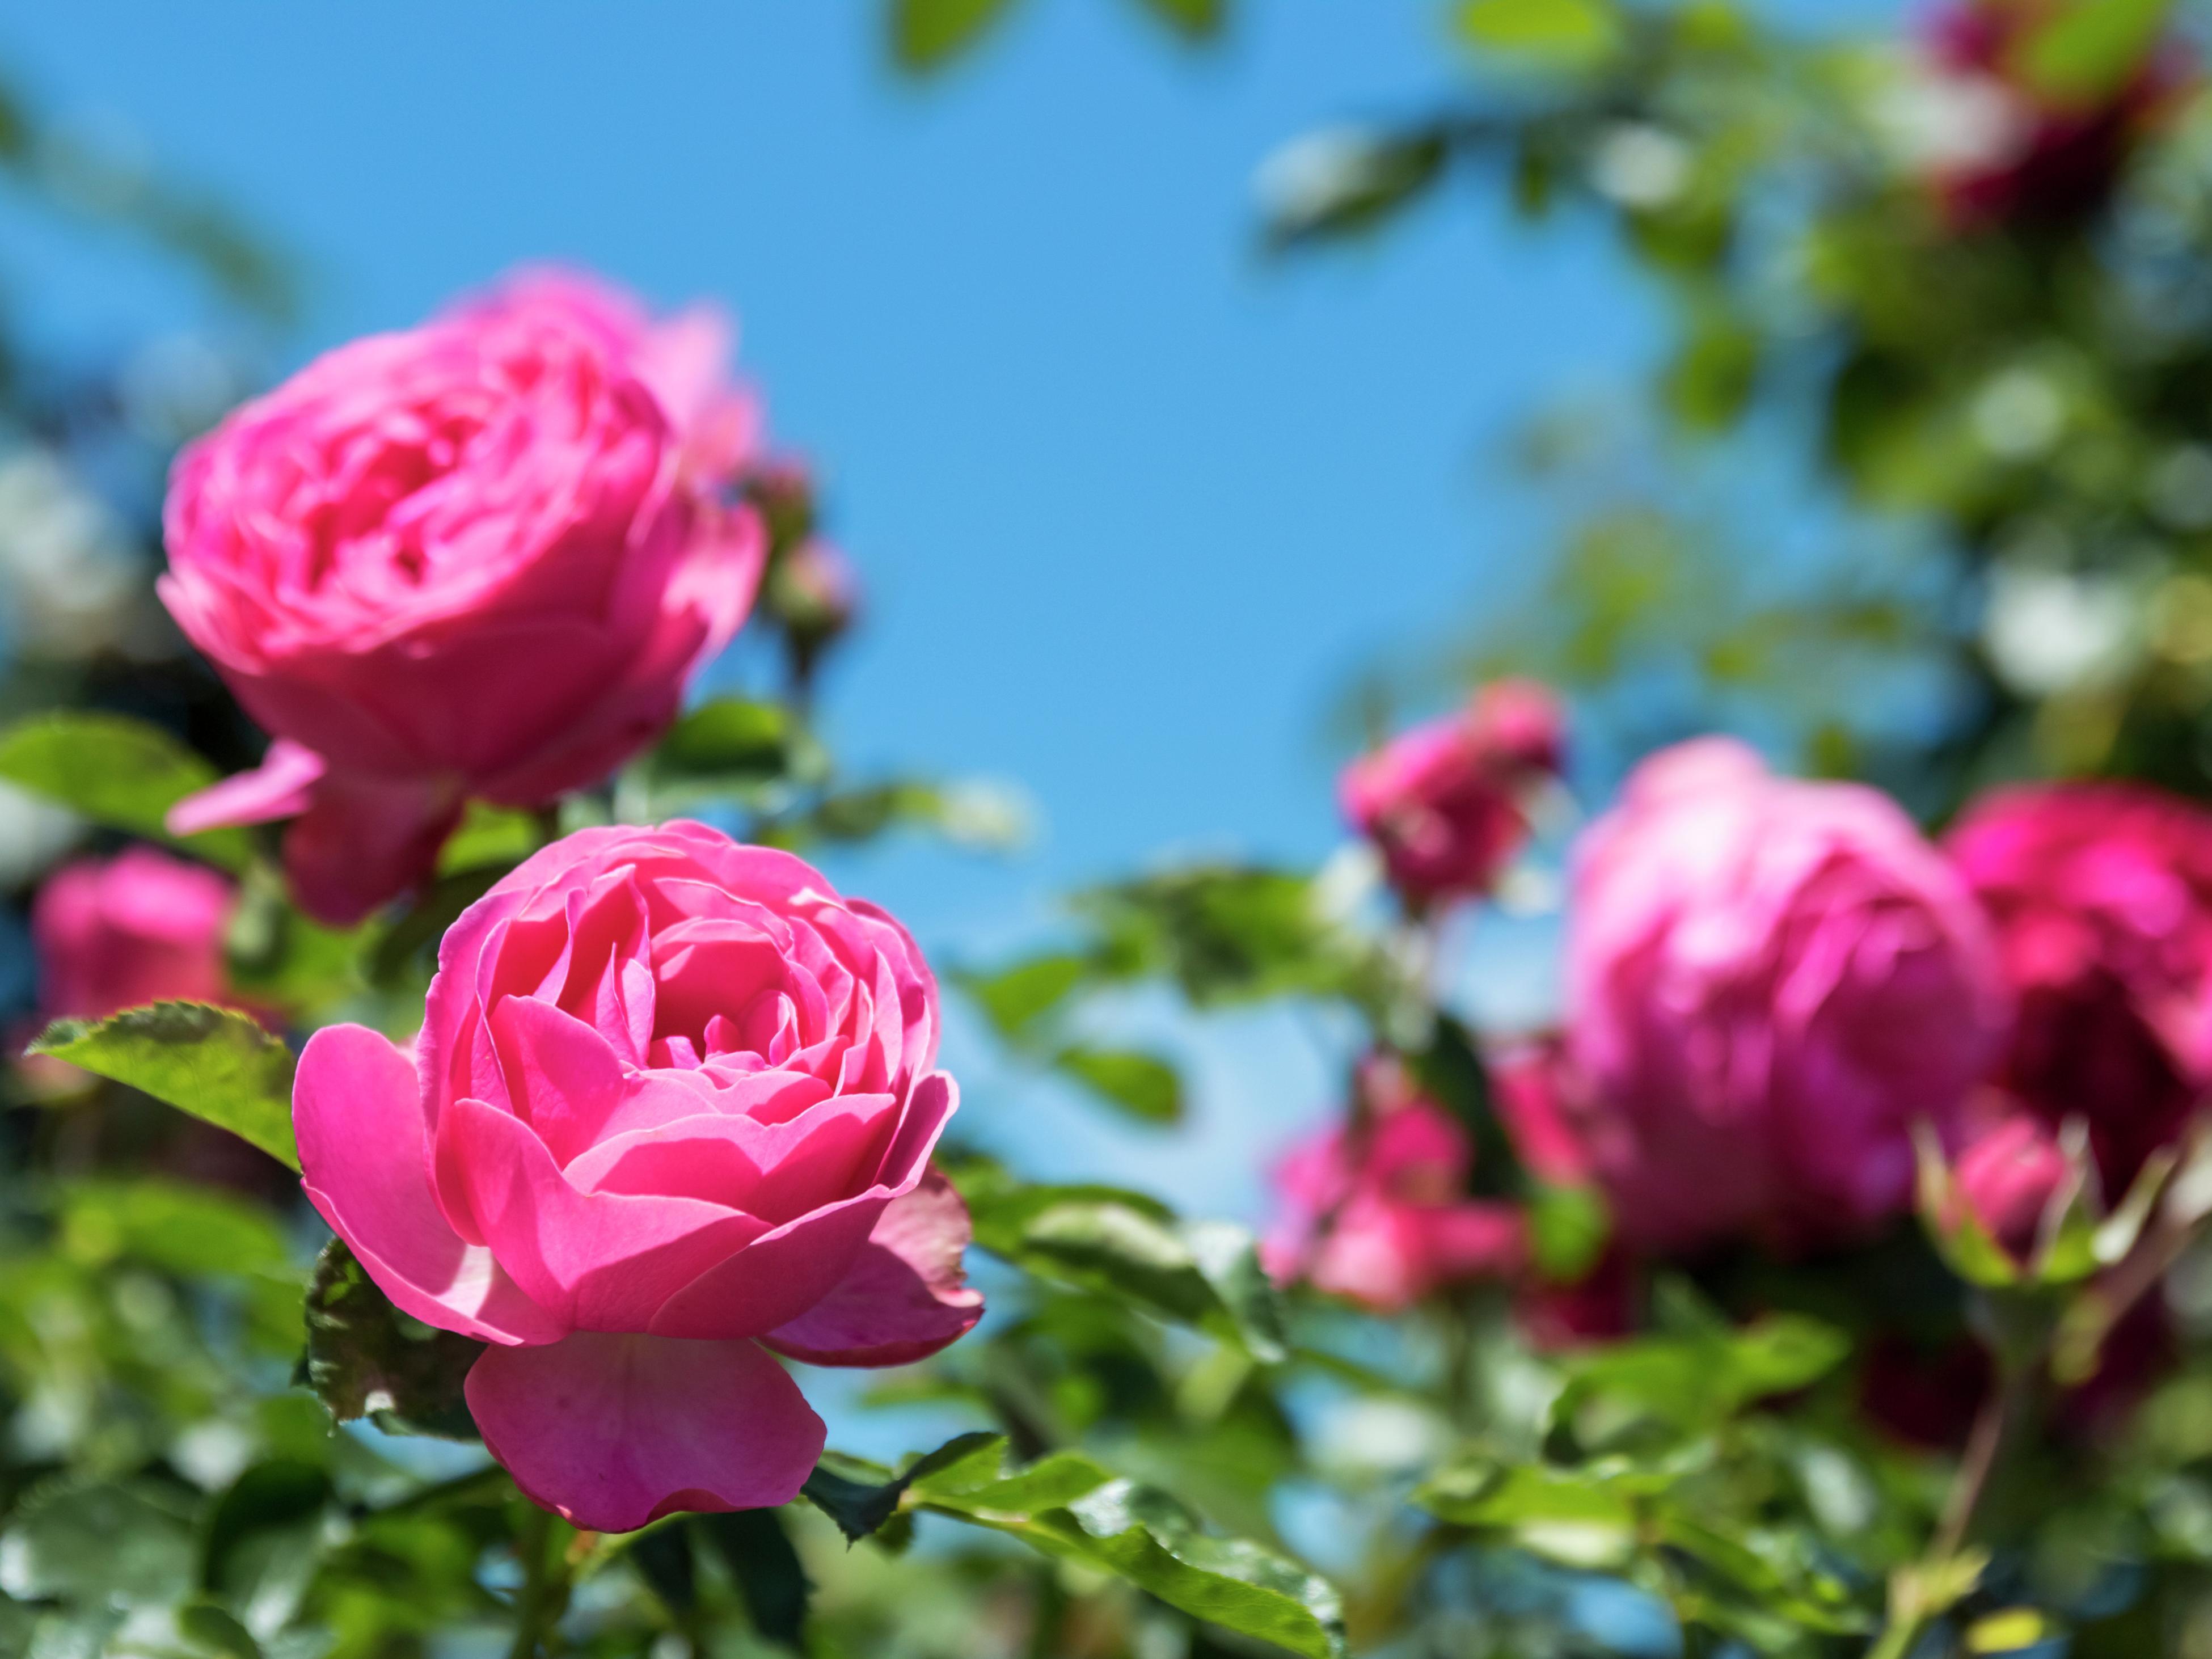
(670, 1115)
(119, 933)
(478, 557)
(1376, 1209)
(2019, 153)
(2101, 895)
(1768, 982)
(2007, 1178)
(1445, 802)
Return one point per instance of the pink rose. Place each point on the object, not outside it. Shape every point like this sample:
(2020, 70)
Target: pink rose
(119, 933)
(478, 557)
(2101, 894)
(1445, 802)
(1768, 982)
(2007, 1178)
(670, 1115)
(1376, 1209)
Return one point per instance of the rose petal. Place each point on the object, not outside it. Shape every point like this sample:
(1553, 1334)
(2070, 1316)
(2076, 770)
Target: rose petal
(280, 788)
(780, 1275)
(907, 1295)
(362, 1161)
(605, 1261)
(363, 841)
(612, 1431)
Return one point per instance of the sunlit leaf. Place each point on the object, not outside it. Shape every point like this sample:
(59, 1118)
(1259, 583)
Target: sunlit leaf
(1564, 32)
(1194, 20)
(928, 34)
(216, 1063)
(1070, 1508)
(115, 771)
(1147, 1088)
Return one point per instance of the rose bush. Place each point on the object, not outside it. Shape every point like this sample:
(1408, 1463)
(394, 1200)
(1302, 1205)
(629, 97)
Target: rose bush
(1446, 803)
(670, 1115)
(1768, 982)
(2101, 895)
(141, 927)
(481, 557)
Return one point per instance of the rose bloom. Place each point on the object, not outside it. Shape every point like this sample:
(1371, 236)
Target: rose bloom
(2016, 153)
(119, 933)
(1445, 803)
(670, 1115)
(2101, 894)
(1768, 982)
(480, 557)
(1377, 1210)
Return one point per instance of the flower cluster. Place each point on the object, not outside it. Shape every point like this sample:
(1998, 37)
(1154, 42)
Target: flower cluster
(1780, 998)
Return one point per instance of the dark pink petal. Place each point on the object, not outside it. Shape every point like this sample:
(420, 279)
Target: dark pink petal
(280, 788)
(605, 1261)
(907, 1295)
(563, 1078)
(936, 1098)
(777, 1172)
(611, 1432)
(780, 1275)
(776, 1278)
(355, 1109)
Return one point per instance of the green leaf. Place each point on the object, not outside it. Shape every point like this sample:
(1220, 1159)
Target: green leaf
(1131, 1248)
(1226, 934)
(1147, 1088)
(488, 835)
(1483, 1493)
(1334, 186)
(861, 1496)
(2087, 51)
(188, 1230)
(662, 1556)
(1697, 1380)
(1194, 20)
(216, 1063)
(735, 744)
(1715, 371)
(262, 1542)
(754, 1546)
(1068, 1507)
(124, 1540)
(1555, 32)
(1568, 1227)
(205, 1624)
(928, 34)
(366, 1358)
(1014, 999)
(116, 771)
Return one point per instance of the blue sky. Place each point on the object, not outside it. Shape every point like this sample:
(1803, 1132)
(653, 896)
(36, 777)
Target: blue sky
(1130, 503)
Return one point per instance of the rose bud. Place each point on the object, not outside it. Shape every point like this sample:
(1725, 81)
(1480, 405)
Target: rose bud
(670, 1115)
(2009, 1178)
(481, 557)
(1769, 982)
(2101, 897)
(1446, 802)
